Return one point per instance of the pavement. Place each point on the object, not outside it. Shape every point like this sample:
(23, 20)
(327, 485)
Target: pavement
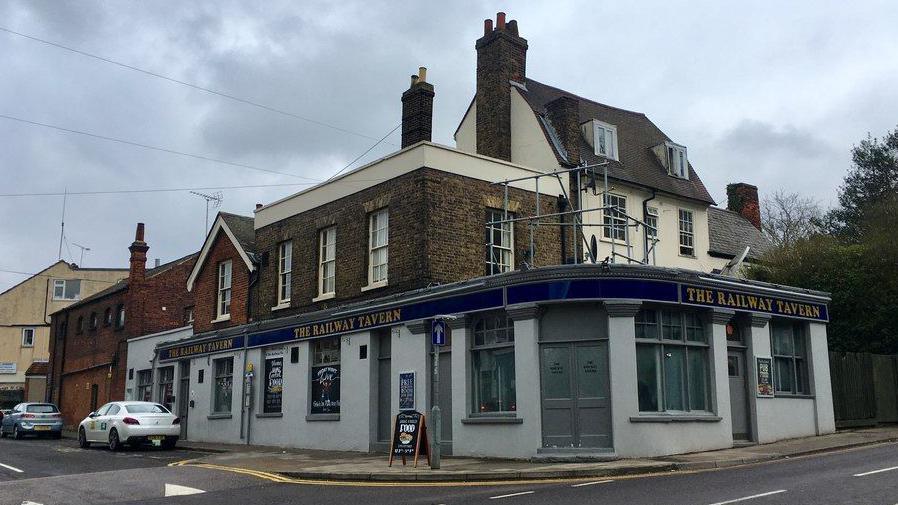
(351, 466)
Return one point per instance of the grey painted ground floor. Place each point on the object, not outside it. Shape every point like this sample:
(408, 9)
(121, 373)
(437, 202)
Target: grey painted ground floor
(578, 360)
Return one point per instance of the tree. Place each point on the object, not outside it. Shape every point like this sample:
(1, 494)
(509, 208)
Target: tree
(788, 217)
(872, 177)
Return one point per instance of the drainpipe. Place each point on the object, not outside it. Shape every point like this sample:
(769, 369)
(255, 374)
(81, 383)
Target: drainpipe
(562, 206)
(645, 231)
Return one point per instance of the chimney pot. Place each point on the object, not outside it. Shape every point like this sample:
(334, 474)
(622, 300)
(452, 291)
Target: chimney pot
(422, 74)
(500, 21)
(156, 263)
(138, 236)
(258, 206)
(487, 26)
(512, 27)
(414, 80)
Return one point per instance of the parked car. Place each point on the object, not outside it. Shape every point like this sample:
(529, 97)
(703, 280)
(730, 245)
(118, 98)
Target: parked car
(132, 423)
(33, 419)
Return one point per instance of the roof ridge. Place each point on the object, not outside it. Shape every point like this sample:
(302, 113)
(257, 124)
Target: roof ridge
(578, 97)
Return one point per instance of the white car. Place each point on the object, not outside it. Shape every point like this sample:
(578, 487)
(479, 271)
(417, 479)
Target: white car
(132, 423)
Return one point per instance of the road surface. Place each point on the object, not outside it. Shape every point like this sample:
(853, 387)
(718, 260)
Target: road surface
(52, 472)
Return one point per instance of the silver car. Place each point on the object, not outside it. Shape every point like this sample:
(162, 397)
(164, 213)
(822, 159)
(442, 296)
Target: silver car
(132, 423)
(32, 419)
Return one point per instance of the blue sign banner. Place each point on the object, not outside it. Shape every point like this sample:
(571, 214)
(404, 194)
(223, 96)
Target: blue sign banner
(592, 289)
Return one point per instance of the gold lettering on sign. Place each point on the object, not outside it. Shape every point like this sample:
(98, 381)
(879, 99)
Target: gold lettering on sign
(348, 324)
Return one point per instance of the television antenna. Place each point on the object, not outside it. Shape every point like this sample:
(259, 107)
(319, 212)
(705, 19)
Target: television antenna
(214, 198)
(83, 248)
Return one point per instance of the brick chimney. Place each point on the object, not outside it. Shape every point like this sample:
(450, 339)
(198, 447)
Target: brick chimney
(417, 110)
(501, 57)
(743, 198)
(564, 114)
(138, 250)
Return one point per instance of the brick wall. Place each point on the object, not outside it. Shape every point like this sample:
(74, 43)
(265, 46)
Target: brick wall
(205, 288)
(436, 235)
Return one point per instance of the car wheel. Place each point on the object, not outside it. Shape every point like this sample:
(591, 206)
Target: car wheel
(114, 443)
(82, 439)
(16, 434)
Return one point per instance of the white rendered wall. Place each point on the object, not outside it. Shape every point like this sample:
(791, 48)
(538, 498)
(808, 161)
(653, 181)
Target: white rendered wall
(221, 429)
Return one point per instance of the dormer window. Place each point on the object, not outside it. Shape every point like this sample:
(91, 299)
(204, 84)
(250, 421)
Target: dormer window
(677, 162)
(605, 139)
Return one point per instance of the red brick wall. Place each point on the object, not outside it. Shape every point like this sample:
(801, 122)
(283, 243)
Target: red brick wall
(205, 288)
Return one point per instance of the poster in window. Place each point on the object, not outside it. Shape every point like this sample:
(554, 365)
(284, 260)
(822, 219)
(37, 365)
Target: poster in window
(326, 389)
(406, 390)
(274, 384)
(765, 377)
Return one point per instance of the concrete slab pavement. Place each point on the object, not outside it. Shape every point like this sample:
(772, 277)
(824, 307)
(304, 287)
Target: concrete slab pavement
(349, 466)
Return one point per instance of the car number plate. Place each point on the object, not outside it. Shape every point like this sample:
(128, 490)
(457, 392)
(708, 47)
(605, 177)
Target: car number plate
(41, 428)
(156, 438)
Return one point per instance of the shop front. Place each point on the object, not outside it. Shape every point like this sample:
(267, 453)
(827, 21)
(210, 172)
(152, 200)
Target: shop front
(576, 360)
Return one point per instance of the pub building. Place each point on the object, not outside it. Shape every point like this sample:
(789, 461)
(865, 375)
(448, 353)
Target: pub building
(589, 320)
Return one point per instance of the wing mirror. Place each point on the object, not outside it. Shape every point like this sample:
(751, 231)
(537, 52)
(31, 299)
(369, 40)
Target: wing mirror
(92, 415)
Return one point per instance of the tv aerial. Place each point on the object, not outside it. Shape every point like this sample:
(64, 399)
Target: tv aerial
(215, 199)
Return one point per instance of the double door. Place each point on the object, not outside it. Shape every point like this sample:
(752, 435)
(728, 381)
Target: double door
(576, 407)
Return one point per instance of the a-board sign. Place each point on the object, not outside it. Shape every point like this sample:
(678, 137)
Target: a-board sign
(765, 377)
(409, 437)
(406, 390)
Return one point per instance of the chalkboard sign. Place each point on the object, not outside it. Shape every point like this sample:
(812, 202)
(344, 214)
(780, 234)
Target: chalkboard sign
(274, 382)
(409, 437)
(406, 390)
(765, 377)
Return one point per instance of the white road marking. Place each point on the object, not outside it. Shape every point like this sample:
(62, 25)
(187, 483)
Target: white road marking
(14, 469)
(176, 490)
(876, 471)
(26, 502)
(510, 495)
(591, 483)
(752, 497)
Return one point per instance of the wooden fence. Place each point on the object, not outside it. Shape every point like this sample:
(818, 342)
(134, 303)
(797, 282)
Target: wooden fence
(865, 388)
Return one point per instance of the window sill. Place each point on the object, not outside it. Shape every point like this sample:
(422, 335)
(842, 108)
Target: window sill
(219, 416)
(281, 306)
(221, 319)
(326, 296)
(616, 242)
(796, 396)
(376, 285)
(323, 417)
(498, 419)
(690, 256)
(269, 414)
(675, 418)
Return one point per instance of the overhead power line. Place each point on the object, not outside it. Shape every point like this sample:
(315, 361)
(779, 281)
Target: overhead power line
(30, 274)
(188, 84)
(154, 190)
(357, 158)
(148, 146)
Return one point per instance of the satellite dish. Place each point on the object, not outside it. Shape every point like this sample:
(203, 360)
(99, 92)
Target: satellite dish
(733, 265)
(593, 249)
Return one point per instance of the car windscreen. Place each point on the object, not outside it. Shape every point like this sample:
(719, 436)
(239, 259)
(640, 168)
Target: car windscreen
(146, 408)
(41, 409)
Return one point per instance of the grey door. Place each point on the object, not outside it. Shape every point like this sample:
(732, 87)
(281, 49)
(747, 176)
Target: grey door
(384, 409)
(445, 398)
(183, 396)
(736, 369)
(575, 406)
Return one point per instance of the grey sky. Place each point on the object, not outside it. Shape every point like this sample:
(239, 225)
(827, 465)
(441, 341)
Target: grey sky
(774, 94)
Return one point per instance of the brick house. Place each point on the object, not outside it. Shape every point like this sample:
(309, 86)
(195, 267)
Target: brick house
(88, 348)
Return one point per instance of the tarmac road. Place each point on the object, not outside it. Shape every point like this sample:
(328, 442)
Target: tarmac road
(57, 472)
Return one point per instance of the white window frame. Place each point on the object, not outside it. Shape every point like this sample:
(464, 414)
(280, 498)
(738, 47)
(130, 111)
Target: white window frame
(611, 222)
(62, 283)
(608, 133)
(686, 229)
(677, 160)
(503, 261)
(285, 271)
(377, 218)
(651, 221)
(225, 278)
(327, 260)
(30, 341)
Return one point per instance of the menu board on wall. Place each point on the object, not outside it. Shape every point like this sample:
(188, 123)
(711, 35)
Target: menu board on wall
(765, 377)
(326, 389)
(406, 390)
(274, 382)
